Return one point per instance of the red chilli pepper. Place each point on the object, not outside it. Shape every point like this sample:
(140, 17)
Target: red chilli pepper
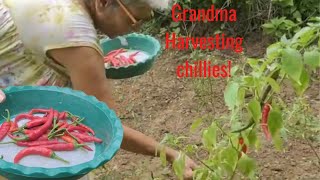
(69, 139)
(114, 62)
(25, 116)
(37, 151)
(63, 125)
(76, 128)
(28, 131)
(133, 55)
(86, 138)
(114, 53)
(125, 59)
(34, 123)
(264, 121)
(34, 135)
(41, 111)
(131, 61)
(244, 147)
(12, 136)
(14, 127)
(63, 116)
(44, 137)
(84, 126)
(107, 59)
(63, 146)
(37, 143)
(5, 127)
(87, 128)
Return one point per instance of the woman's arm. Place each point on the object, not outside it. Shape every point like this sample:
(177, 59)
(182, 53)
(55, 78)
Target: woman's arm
(86, 69)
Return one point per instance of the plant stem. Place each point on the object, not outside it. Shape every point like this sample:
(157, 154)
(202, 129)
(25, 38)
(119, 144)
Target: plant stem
(274, 76)
(315, 152)
(245, 128)
(234, 170)
(197, 158)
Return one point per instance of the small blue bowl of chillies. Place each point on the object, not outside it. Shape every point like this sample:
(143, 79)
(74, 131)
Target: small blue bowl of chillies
(130, 55)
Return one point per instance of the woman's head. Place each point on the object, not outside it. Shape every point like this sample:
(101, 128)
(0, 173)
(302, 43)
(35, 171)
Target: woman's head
(111, 19)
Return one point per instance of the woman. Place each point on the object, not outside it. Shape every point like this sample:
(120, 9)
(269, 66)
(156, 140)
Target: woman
(54, 42)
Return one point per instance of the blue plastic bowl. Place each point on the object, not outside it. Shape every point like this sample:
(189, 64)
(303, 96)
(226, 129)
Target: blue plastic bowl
(97, 115)
(135, 41)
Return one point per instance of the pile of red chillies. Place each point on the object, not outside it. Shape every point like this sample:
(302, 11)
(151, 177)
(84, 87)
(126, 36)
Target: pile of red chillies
(55, 131)
(116, 59)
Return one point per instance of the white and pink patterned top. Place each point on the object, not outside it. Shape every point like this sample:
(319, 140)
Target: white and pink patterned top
(29, 28)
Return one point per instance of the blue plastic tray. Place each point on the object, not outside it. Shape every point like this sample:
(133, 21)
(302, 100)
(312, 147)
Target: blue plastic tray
(97, 115)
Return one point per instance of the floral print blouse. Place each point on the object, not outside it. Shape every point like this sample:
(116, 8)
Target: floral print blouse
(30, 28)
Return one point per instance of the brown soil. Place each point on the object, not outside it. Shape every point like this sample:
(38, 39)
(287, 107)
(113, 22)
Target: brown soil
(158, 103)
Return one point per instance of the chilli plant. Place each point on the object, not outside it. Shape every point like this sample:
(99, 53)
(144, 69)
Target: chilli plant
(251, 96)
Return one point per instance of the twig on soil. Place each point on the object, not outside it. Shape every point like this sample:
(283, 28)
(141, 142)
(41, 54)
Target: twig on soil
(315, 152)
(270, 9)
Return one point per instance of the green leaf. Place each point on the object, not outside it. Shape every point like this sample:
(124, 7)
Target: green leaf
(303, 37)
(201, 174)
(312, 58)
(209, 137)
(274, 50)
(277, 141)
(305, 80)
(174, 24)
(195, 125)
(297, 15)
(179, 166)
(163, 156)
(253, 139)
(190, 148)
(177, 30)
(284, 40)
(234, 69)
(254, 63)
(230, 95)
(248, 80)
(268, 26)
(255, 109)
(241, 96)
(227, 158)
(287, 2)
(275, 86)
(247, 166)
(275, 124)
(230, 157)
(292, 63)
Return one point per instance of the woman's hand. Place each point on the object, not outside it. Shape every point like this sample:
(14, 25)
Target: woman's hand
(189, 168)
(190, 165)
(2, 96)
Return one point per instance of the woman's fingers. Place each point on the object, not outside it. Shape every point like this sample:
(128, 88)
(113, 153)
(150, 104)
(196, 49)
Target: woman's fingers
(2, 96)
